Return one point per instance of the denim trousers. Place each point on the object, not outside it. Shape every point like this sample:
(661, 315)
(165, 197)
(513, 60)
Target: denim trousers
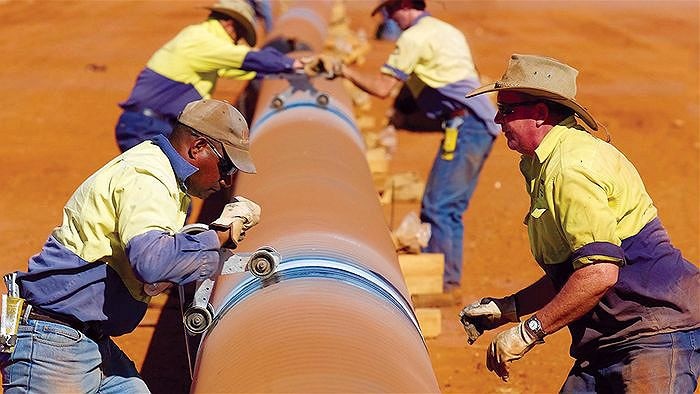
(661, 363)
(54, 358)
(448, 190)
(134, 127)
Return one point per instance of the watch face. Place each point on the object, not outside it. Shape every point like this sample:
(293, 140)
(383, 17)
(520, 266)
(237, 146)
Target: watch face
(534, 325)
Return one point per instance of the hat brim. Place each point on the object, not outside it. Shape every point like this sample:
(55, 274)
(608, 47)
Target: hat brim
(250, 33)
(240, 158)
(381, 5)
(545, 94)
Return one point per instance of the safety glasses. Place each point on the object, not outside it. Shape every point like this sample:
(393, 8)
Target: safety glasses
(226, 168)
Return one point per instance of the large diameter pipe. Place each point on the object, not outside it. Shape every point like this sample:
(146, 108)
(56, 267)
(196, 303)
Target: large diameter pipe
(336, 316)
(304, 23)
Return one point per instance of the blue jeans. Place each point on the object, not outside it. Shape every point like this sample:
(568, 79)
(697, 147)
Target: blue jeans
(662, 363)
(53, 358)
(450, 185)
(135, 127)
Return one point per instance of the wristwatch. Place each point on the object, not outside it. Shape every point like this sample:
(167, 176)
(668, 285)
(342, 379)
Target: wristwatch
(534, 326)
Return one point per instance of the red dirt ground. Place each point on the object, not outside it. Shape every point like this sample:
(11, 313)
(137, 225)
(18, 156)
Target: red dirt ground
(65, 65)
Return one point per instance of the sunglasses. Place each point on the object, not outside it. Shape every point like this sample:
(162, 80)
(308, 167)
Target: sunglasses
(508, 108)
(226, 168)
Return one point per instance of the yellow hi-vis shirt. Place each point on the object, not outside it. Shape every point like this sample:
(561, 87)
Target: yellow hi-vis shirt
(584, 193)
(200, 54)
(433, 58)
(134, 193)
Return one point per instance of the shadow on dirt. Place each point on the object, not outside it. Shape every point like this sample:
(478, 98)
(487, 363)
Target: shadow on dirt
(165, 368)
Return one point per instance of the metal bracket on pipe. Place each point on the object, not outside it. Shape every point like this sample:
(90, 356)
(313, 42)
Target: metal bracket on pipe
(321, 98)
(261, 264)
(198, 316)
(299, 84)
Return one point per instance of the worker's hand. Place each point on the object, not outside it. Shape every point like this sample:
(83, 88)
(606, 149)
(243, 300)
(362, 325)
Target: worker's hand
(229, 238)
(508, 346)
(490, 313)
(242, 209)
(328, 66)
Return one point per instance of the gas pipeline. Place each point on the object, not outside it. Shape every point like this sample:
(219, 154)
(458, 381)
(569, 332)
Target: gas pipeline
(328, 309)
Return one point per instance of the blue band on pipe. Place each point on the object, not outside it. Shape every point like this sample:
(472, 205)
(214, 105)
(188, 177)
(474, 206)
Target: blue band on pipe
(321, 268)
(300, 104)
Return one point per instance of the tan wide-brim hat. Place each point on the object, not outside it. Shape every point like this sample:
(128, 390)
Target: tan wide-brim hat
(221, 122)
(543, 77)
(241, 12)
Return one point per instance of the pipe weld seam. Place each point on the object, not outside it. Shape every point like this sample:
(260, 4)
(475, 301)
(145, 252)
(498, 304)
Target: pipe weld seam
(321, 268)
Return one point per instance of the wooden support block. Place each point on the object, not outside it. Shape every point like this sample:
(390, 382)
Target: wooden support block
(430, 320)
(405, 186)
(365, 122)
(378, 166)
(423, 272)
(377, 160)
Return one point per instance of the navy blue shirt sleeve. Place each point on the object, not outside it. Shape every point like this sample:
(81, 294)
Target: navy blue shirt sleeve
(157, 256)
(267, 61)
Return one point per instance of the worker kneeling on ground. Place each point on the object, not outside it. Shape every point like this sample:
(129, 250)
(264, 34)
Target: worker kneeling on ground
(120, 233)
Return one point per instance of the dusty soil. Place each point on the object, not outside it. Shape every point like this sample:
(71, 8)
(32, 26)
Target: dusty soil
(65, 65)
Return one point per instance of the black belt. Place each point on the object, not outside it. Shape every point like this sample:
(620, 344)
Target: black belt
(91, 330)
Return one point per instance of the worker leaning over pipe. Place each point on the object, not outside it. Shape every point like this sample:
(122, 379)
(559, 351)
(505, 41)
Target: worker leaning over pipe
(187, 68)
(434, 60)
(120, 233)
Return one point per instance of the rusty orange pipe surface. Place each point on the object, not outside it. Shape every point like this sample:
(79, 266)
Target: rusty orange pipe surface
(336, 315)
(305, 22)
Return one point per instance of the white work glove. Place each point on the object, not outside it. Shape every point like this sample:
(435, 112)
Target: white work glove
(241, 209)
(326, 65)
(510, 345)
(490, 313)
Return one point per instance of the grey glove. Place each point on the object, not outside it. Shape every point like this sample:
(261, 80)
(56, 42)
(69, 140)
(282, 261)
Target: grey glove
(487, 314)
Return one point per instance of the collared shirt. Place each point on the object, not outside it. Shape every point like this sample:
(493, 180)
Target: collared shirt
(435, 61)
(187, 67)
(585, 198)
(588, 204)
(119, 231)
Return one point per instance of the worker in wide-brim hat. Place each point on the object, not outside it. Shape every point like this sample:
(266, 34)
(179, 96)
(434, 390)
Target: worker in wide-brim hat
(187, 67)
(542, 77)
(241, 14)
(611, 275)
